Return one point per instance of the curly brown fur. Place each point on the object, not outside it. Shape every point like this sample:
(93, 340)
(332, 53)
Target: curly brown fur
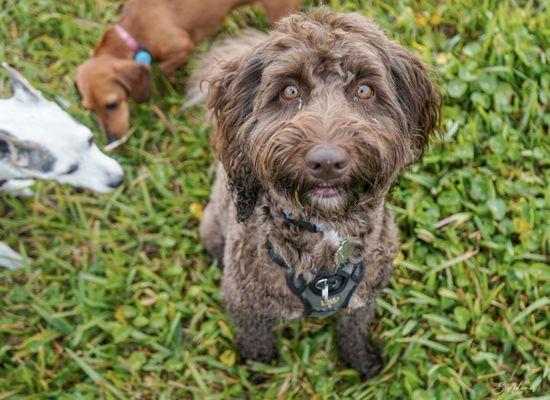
(262, 140)
(209, 65)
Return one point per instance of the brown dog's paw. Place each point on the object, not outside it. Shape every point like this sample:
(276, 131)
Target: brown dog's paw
(255, 353)
(371, 365)
(367, 360)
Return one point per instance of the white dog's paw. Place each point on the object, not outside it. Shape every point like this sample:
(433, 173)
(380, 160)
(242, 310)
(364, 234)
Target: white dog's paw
(18, 187)
(9, 258)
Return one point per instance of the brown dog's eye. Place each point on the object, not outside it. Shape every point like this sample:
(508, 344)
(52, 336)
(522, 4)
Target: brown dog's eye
(111, 106)
(364, 92)
(290, 92)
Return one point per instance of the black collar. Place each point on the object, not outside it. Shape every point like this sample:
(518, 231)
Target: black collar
(300, 223)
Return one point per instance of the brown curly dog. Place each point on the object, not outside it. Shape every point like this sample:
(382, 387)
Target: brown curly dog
(314, 125)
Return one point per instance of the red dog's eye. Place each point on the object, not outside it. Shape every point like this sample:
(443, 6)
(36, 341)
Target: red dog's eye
(364, 92)
(111, 106)
(290, 92)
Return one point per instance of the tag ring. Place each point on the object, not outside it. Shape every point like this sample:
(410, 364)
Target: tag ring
(322, 285)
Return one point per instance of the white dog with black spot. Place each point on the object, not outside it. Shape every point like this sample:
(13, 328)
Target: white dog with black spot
(40, 140)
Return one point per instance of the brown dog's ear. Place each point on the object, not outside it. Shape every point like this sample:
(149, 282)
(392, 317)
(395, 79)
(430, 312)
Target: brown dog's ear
(231, 97)
(135, 78)
(418, 97)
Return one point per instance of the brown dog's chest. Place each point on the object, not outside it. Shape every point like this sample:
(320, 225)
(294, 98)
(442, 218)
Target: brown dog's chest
(251, 275)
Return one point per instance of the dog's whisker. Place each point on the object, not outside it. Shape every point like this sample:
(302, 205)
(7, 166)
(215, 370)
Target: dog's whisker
(117, 143)
(297, 198)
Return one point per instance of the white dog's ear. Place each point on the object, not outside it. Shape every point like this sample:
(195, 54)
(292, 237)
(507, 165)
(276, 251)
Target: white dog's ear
(22, 89)
(25, 154)
(8, 145)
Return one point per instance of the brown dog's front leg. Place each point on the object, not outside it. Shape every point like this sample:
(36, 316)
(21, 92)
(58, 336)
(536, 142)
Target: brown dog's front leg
(255, 337)
(355, 347)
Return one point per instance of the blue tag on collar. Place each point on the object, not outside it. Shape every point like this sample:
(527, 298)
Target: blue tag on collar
(143, 57)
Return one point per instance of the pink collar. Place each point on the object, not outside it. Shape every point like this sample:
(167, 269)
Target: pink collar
(127, 38)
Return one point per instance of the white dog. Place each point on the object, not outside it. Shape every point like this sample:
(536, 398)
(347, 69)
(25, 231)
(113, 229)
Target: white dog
(40, 140)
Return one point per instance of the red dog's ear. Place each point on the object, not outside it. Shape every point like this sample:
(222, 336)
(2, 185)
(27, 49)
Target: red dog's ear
(135, 78)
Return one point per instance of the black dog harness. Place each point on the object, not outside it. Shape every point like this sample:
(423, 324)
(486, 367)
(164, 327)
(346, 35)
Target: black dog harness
(326, 293)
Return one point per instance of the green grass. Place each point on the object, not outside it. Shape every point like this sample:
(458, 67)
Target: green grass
(121, 301)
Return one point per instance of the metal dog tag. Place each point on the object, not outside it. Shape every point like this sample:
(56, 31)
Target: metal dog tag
(344, 252)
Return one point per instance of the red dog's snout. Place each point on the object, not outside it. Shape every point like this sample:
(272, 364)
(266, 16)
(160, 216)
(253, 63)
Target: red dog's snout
(327, 162)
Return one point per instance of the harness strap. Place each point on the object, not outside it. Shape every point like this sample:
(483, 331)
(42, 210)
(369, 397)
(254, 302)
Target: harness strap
(275, 257)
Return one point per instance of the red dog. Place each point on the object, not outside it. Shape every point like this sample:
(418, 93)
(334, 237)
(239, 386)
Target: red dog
(165, 31)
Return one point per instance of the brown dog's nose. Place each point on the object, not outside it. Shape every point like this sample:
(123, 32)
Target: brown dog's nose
(326, 162)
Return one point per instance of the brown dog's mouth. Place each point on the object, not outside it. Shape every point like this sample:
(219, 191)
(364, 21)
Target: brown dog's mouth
(326, 191)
